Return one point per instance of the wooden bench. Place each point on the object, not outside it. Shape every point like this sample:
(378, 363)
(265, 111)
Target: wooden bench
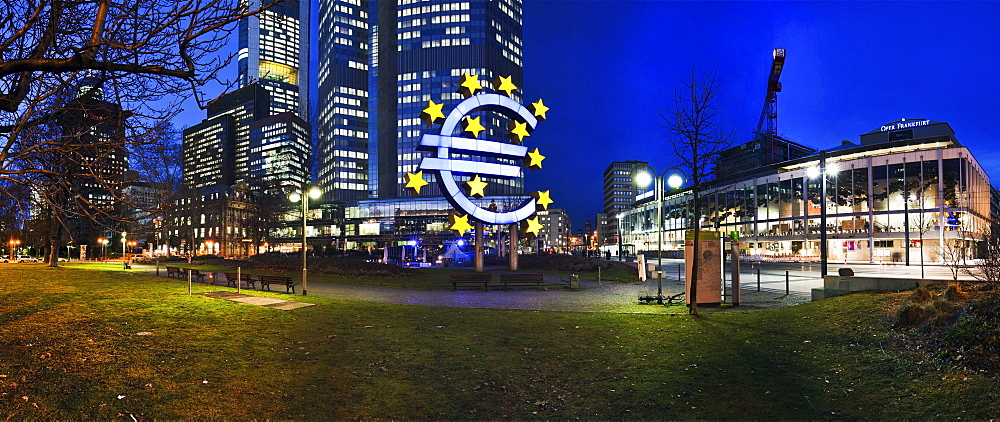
(531, 280)
(244, 278)
(266, 280)
(195, 274)
(475, 279)
(174, 272)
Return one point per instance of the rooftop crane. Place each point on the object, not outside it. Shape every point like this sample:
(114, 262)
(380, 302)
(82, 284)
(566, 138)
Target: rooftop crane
(767, 126)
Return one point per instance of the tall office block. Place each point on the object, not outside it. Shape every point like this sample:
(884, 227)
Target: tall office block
(274, 51)
(382, 61)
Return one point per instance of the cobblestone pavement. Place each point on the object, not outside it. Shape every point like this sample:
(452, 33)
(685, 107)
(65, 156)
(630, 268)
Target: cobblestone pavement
(591, 297)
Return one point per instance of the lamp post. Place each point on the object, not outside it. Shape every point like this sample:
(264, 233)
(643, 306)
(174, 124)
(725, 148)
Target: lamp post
(14, 243)
(675, 181)
(308, 191)
(103, 242)
(124, 258)
(822, 174)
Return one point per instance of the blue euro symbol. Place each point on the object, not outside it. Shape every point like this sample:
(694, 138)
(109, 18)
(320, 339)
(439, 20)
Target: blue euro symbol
(445, 166)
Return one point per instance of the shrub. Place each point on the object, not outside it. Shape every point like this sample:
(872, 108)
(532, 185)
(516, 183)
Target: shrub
(975, 337)
(927, 311)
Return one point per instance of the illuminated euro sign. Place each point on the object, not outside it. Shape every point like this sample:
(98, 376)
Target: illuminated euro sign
(446, 167)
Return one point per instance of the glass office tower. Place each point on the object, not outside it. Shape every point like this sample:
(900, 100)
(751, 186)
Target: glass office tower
(274, 50)
(381, 62)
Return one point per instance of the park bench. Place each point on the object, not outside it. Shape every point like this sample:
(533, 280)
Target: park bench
(266, 280)
(529, 280)
(475, 279)
(195, 274)
(174, 272)
(243, 278)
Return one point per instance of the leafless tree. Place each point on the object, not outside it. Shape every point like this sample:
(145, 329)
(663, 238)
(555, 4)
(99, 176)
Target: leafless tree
(697, 135)
(68, 67)
(953, 252)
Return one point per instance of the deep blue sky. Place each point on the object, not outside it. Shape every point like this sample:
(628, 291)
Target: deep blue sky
(605, 66)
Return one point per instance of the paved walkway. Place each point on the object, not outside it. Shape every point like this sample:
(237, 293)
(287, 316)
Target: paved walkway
(591, 297)
(267, 302)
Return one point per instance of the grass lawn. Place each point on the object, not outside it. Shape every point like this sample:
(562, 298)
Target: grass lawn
(93, 341)
(436, 278)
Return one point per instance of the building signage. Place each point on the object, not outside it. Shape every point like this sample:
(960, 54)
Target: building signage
(644, 195)
(904, 125)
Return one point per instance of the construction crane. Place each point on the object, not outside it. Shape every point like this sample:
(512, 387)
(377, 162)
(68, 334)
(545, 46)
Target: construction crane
(767, 126)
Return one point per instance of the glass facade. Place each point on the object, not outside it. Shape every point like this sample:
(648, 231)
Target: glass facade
(879, 203)
(383, 61)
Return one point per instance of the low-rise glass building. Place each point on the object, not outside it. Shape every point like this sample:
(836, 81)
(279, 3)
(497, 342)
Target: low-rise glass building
(910, 192)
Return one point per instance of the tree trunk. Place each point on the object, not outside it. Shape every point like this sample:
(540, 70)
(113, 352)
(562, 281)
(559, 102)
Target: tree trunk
(693, 309)
(53, 256)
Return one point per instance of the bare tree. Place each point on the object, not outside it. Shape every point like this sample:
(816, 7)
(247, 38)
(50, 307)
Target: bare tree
(67, 67)
(698, 136)
(953, 252)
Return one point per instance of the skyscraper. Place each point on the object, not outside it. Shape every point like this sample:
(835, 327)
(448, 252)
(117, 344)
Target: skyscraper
(259, 132)
(274, 51)
(381, 62)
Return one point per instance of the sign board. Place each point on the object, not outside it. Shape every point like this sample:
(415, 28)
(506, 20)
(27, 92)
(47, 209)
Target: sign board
(83, 252)
(709, 265)
(641, 260)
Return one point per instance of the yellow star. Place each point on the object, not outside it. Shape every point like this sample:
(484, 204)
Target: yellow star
(533, 226)
(468, 85)
(472, 126)
(432, 114)
(504, 84)
(542, 199)
(518, 131)
(476, 187)
(415, 181)
(534, 159)
(538, 109)
(459, 224)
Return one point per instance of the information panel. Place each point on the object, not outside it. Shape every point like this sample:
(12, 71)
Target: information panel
(709, 264)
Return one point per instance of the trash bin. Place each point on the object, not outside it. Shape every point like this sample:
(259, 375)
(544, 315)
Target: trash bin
(574, 281)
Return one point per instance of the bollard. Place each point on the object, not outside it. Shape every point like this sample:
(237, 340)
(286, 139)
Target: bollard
(157, 267)
(189, 282)
(786, 283)
(679, 266)
(238, 277)
(758, 277)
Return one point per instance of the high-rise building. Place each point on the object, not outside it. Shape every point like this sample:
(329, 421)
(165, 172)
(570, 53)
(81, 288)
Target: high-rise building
(381, 62)
(619, 195)
(274, 52)
(256, 140)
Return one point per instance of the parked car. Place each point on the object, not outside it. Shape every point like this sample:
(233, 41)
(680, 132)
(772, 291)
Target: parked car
(26, 258)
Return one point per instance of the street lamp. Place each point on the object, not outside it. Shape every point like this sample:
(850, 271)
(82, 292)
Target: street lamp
(675, 180)
(124, 256)
(103, 242)
(14, 243)
(821, 172)
(308, 191)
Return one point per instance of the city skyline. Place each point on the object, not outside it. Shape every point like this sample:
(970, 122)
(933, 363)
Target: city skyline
(848, 71)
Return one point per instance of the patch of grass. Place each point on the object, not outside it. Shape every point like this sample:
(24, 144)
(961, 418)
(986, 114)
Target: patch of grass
(70, 346)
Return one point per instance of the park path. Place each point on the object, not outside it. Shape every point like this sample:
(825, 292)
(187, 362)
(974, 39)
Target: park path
(591, 297)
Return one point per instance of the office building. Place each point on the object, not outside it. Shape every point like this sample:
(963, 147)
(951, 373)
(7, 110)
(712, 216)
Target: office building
(619, 196)
(760, 152)
(274, 52)
(908, 193)
(255, 141)
(381, 62)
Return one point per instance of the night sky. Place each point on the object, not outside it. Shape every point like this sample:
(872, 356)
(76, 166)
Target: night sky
(604, 67)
